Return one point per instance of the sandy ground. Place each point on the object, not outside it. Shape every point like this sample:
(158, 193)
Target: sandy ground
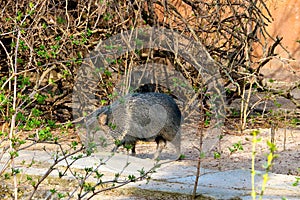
(286, 162)
(287, 159)
(287, 142)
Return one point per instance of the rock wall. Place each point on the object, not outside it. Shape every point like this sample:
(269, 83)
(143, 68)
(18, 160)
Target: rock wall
(286, 24)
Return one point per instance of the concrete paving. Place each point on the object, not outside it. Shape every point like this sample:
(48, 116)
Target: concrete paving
(171, 176)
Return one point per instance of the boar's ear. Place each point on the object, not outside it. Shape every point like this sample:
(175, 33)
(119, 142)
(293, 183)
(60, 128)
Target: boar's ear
(103, 119)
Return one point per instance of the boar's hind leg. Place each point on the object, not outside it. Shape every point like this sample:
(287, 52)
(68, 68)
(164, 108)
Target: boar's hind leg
(161, 143)
(133, 150)
(176, 142)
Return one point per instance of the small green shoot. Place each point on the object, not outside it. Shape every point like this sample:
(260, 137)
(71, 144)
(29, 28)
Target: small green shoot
(236, 147)
(297, 181)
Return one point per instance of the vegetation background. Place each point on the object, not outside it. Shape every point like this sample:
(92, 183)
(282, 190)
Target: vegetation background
(44, 43)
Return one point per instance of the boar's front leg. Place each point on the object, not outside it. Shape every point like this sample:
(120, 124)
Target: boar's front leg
(128, 142)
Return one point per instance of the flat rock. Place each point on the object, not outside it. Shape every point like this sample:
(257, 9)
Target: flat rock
(173, 176)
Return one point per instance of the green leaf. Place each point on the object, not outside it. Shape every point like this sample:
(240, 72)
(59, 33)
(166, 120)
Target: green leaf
(217, 155)
(53, 191)
(131, 177)
(31, 5)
